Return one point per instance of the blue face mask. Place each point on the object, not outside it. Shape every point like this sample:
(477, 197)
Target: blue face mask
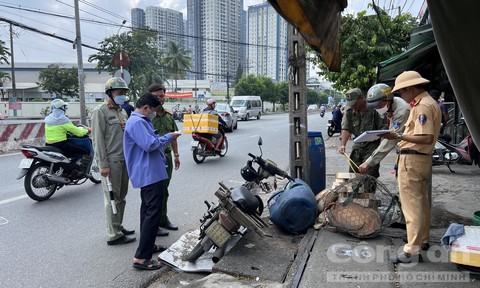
(119, 99)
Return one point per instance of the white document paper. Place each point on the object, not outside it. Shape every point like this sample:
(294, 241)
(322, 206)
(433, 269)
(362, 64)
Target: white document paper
(369, 136)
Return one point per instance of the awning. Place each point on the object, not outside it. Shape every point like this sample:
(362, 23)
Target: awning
(179, 94)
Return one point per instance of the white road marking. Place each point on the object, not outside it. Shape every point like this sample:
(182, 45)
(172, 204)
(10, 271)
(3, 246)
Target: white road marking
(13, 199)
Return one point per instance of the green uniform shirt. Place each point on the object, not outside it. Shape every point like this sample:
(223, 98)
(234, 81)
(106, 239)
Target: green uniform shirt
(108, 124)
(359, 122)
(164, 124)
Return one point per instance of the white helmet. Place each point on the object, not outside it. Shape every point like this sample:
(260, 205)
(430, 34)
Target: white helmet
(58, 104)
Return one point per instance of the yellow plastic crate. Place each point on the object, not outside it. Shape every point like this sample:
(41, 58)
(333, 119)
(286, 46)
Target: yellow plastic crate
(201, 123)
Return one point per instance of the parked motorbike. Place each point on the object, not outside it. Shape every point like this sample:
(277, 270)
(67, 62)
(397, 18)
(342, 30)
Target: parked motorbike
(203, 145)
(446, 153)
(332, 128)
(238, 210)
(47, 169)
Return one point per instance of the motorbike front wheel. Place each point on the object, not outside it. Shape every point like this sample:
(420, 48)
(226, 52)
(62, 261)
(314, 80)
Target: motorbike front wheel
(224, 150)
(198, 158)
(95, 172)
(331, 131)
(204, 245)
(36, 184)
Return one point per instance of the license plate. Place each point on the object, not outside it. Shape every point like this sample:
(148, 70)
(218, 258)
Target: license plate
(25, 163)
(194, 144)
(218, 234)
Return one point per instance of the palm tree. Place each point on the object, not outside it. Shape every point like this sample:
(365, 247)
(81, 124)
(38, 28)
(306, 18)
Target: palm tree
(3, 77)
(177, 60)
(4, 53)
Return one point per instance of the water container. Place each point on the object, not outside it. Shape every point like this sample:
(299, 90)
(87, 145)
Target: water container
(294, 208)
(316, 157)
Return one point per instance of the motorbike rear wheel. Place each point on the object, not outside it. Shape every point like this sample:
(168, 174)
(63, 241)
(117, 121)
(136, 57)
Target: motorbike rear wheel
(36, 185)
(204, 245)
(331, 131)
(95, 175)
(196, 157)
(224, 150)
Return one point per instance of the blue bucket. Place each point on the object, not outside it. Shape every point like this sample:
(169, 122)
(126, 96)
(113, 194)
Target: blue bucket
(293, 209)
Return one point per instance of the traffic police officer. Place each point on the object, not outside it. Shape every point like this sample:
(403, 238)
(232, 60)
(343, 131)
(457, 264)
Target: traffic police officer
(356, 120)
(164, 123)
(415, 161)
(380, 98)
(108, 123)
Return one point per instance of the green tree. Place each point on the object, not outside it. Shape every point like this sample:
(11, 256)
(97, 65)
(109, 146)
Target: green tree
(239, 73)
(281, 89)
(59, 81)
(249, 85)
(268, 92)
(145, 58)
(4, 53)
(312, 96)
(3, 76)
(365, 41)
(177, 60)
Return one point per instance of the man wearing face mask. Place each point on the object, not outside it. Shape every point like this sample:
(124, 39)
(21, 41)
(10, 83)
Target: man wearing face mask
(108, 124)
(395, 109)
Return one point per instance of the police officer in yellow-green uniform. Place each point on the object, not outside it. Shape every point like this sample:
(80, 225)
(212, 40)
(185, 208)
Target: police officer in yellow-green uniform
(164, 123)
(415, 161)
(108, 124)
(356, 120)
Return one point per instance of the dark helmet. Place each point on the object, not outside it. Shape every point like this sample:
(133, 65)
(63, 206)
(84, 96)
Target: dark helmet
(248, 172)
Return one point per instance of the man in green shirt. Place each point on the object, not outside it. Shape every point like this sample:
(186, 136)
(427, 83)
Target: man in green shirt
(164, 123)
(358, 119)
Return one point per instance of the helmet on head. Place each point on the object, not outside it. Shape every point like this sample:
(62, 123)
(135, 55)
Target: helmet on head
(115, 83)
(211, 101)
(58, 104)
(378, 93)
(408, 79)
(248, 172)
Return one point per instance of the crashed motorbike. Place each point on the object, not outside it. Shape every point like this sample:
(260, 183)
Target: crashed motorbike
(237, 211)
(446, 153)
(46, 169)
(332, 128)
(203, 145)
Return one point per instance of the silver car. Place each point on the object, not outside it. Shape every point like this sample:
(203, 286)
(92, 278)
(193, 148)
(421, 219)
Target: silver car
(228, 115)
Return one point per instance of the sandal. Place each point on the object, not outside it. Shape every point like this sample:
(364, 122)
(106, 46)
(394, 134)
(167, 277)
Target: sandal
(159, 248)
(148, 264)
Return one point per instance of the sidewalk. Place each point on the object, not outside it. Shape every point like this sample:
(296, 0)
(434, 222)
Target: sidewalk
(326, 259)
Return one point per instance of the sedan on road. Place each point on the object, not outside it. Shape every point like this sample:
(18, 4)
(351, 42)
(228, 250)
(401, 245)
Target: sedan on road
(228, 115)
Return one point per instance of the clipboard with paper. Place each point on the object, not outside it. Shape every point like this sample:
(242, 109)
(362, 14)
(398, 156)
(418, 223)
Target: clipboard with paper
(369, 136)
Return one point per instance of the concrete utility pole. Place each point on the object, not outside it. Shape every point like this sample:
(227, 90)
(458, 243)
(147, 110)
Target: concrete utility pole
(81, 75)
(299, 163)
(12, 62)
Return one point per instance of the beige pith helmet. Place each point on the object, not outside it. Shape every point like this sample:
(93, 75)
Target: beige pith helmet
(407, 79)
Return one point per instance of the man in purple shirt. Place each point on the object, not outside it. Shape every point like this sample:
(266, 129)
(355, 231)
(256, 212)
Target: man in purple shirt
(146, 164)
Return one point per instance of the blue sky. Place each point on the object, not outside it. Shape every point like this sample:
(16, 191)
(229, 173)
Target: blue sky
(31, 47)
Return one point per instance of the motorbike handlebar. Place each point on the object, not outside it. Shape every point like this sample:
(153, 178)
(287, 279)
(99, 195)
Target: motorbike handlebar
(270, 167)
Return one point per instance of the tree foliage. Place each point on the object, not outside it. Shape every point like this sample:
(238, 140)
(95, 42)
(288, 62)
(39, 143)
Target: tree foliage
(239, 73)
(177, 61)
(365, 41)
(249, 85)
(4, 53)
(59, 81)
(145, 58)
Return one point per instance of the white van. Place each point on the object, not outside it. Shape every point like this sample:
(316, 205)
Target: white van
(247, 106)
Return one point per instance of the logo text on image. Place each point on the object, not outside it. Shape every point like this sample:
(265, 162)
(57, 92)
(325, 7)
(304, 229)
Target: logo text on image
(380, 277)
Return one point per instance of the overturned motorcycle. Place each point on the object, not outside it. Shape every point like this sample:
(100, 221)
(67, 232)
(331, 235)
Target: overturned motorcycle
(46, 169)
(237, 211)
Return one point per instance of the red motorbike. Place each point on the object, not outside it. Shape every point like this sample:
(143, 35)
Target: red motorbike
(203, 145)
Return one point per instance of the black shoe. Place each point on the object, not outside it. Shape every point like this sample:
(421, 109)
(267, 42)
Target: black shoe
(406, 258)
(128, 232)
(162, 232)
(425, 246)
(122, 240)
(170, 226)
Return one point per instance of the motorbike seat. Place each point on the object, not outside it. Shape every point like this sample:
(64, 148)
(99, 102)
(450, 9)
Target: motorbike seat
(245, 199)
(445, 137)
(44, 148)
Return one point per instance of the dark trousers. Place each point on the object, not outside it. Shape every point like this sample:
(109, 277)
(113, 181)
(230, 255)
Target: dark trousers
(150, 213)
(164, 219)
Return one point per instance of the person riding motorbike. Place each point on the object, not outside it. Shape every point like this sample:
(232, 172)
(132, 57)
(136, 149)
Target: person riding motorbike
(211, 110)
(57, 124)
(337, 117)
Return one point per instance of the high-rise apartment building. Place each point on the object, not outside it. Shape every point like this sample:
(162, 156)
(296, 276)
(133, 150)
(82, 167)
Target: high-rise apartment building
(267, 53)
(168, 23)
(138, 18)
(215, 26)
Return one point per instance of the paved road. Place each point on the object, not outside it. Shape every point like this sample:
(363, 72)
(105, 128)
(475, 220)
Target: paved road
(61, 242)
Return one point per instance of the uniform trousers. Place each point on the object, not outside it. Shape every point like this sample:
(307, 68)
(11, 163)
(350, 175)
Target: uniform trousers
(119, 178)
(150, 213)
(414, 172)
(164, 219)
